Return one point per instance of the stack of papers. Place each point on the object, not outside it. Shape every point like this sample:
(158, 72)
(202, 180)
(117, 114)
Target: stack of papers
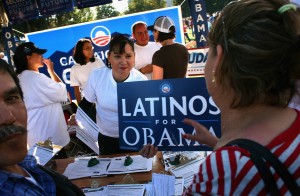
(187, 171)
(107, 166)
(188, 166)
(117, 190)
(161, 185)
(87, 130)
(185, 157)
(139, 164)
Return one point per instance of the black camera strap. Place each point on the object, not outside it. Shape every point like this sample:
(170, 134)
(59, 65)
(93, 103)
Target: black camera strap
(261, 156)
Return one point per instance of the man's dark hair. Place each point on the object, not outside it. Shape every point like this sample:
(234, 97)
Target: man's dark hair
(5, 67)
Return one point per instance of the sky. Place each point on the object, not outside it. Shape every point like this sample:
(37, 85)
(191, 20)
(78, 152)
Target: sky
(120, 5)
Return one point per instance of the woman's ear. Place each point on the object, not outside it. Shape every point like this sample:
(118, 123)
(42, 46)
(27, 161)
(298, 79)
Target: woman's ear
(219, 55)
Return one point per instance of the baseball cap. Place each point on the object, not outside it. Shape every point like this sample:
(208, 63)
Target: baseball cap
(138, 22)
(28, 48)
(162, 24)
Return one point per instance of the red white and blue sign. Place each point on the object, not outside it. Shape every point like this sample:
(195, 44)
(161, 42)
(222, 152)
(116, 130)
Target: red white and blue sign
(153, 112)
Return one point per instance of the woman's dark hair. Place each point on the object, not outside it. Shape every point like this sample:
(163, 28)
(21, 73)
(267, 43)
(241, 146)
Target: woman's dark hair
(78, 52)
(164, 36)
(261, 51)
(20, 60)
(117, 45)
(5, 67)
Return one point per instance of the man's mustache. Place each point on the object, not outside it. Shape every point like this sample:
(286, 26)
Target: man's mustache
(6, 131)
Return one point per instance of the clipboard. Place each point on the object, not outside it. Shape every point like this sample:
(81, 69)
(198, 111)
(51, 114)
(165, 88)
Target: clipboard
(44, 151)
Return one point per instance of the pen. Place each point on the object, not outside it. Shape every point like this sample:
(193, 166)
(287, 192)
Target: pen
(88, 190)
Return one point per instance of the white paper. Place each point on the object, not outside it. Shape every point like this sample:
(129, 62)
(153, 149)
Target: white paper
(187, 171)
(139, 164)
(87, 130)
(163, 184)
(79, 168)
(179, 184)
(107, 166)
(128, 189)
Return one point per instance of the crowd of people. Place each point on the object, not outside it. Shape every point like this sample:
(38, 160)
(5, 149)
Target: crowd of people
(252, 74)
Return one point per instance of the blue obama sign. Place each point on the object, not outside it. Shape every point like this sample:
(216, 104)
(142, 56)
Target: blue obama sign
(153, 111)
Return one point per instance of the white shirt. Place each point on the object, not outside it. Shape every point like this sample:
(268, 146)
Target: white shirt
(79, 73)
(101, 89)
(295, 101)
(143, 55)
(42, 97)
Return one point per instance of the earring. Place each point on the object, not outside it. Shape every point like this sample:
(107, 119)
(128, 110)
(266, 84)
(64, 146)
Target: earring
(213, 78)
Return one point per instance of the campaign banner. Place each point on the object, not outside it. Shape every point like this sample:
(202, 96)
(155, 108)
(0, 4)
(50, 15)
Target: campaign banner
(60, 42)
(9, 42)
(197, 61)
(91, 3)
(153, 111)
(21, 10)
(198, 12)
(50, 7)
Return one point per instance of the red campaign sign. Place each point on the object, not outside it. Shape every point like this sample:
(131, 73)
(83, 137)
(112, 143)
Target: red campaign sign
(21, 10)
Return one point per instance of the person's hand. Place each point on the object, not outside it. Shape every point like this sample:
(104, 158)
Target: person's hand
(72, 120)
(49, 64)
(147, 69)
(202, 136)
(148, 151)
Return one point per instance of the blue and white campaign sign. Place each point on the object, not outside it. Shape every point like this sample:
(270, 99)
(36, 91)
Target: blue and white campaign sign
(152, 112)
(60, 42)
(21, 10)
(198, 12)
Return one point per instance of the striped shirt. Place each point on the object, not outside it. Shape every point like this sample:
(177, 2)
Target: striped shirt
(230, 171)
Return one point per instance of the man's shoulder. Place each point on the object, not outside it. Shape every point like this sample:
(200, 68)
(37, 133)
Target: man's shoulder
(154, 44)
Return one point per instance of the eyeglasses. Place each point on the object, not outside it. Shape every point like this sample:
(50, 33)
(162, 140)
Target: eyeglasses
(88, 48)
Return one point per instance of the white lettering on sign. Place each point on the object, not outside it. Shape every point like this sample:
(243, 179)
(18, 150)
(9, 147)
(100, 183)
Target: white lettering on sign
(168, 106)
(165, 136)
(65, 61)
(64, 75)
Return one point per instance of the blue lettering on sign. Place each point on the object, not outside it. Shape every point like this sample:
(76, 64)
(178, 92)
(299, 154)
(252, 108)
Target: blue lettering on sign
(198, 57)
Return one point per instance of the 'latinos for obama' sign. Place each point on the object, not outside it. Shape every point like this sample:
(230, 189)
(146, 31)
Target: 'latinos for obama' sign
(153, 111)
